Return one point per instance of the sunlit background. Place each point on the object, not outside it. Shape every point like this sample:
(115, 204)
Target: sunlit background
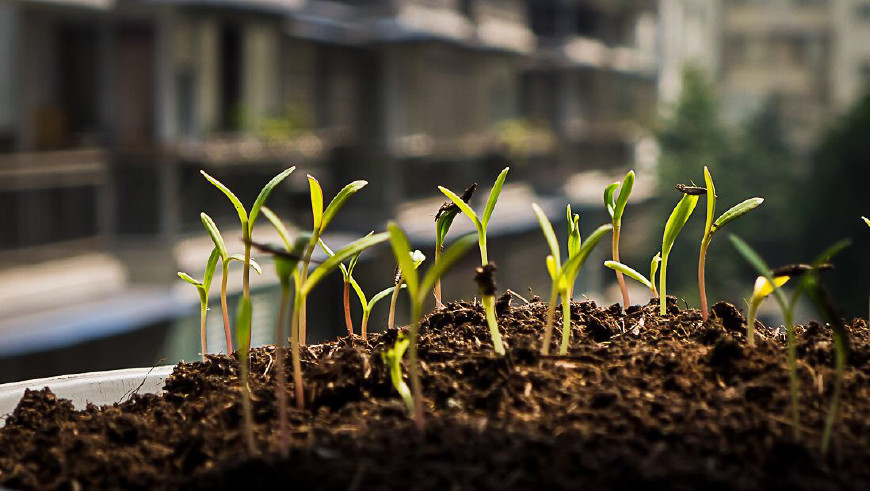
(109, 109)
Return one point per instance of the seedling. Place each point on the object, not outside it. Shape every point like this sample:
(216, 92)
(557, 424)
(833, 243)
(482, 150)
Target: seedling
(347, 277)
(787, 307)
(417, 257)
(443, 220)
(564, 276)
(393, 359)
(202, 287)
(480, 224)
(226, 259)
(615, 208)
(418, 290)
(675, 224)
(762, 289)
(866, 220)
(633, 274)
(243, 322)
(321, 219)
(712, 227)
(368, 305)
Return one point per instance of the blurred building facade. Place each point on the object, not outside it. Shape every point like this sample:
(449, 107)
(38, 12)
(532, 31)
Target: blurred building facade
(109, 109)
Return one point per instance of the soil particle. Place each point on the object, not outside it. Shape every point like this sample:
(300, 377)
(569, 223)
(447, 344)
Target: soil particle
(640, 402)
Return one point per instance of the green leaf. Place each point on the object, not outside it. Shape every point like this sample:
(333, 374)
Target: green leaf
(866, 220)
(264, 194)
(381, 295)
(493, 197)
(711, 205)
(359, 293)
(451, 256)
(279, 226)
(338, 202)
(240, 209)
(240, 258)
(760, 266)
(571, 268)
(609, 202)
(209, 269)
(736, 211)
(574, 239)
(243, 324)
(402, 251)
(677, 220)
(654, 266)
(627, 271)
(464, 207)
(186, 277)
(316, 204)
(552, 267)
(442, 225)
(215, 235)
(624, 193)
(549, 234)
(344, 271)
(340, 255)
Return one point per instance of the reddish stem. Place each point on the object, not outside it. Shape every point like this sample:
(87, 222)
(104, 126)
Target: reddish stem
(619, 278)
(347, 320)
(702, 287)
(225, 311)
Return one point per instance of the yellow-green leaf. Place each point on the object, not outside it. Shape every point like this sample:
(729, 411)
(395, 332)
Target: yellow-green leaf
(402, 251)
(451, 256)
(549, 234)
(493, 197)
(240, 209)
(215, 235)
(340, 255)
(464, 207)
(677, 220)
(627, 271)
(711, 204)
(264, 194)
(316, 204)
(624, 193)
(736, 212)
(338, 202)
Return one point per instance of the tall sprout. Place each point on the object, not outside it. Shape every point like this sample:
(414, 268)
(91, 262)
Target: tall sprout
(202, 288)
(418, 290)
(675, 224)
(480, 224)
(564, 275)
(320, 220)
(615, 205)
(443, 220)
(243, 322)
(712, 227)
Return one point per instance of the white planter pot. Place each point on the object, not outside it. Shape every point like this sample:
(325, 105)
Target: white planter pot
(97, 387)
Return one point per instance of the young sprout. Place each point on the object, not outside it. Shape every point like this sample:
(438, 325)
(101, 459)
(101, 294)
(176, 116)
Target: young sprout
(243, 321)
(762, 289)
(615, 208)
(418, 290)
(787, 305)
(866, 220)
(633, 274)
(321, 219)
(565, 275)
(347, 277)
(368, 305)
(443, 220)
(675, 224)
(202, 287)
(712, 227)
(480, 224)
(226, 259)
(393, 359)
(417, 257)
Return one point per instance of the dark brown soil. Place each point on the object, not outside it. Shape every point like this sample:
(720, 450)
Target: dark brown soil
(641, 402)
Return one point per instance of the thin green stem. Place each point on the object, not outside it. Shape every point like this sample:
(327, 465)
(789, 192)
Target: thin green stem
(294, 348)
(224, 309)
(281, 378)
(702, 286)
(391, 322)
(365, 324)
(203, 311)
(247, 411)
(300, 311)
(619, 277)
(438, 250)
(246, 286)
(416, 386)
(481, 242)
(566, 323)
(489, 307)
(750, 323)
(551, 315)
(663, 285)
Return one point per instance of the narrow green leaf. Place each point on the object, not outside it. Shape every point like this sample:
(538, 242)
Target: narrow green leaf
(736, 211)
(359, 293)
(451, 256)
(243, 324)
(338, 202)
(549, 234)
(345, 273)
(574, 239)
(627, 271)
(241, 258)
(711, 205)
(624, 193)
(552, 268)
(442, 225)
(209, 269)
(609, 202)
(382, 295)
(279, 226)
(677, 220)
(264, 194)
(571, 268)
(493, 197)
(654, 266)
(186, 277)
(464, 207)
(316, 204)
(866, 220)
(340, 255)
(215, 235)
(831, 251)
(402, 251)
(760, 266)
(240, 209)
